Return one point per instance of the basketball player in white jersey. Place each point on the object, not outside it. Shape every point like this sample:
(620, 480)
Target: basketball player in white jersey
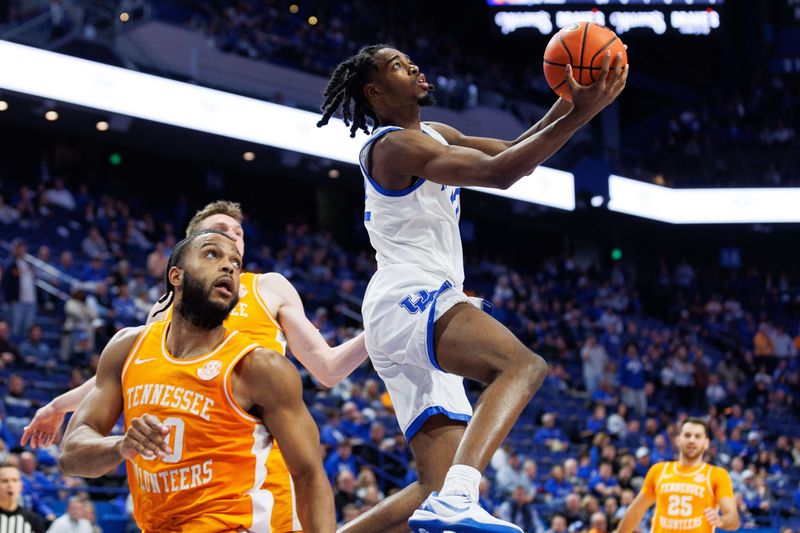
(423, 332)
(329, 365)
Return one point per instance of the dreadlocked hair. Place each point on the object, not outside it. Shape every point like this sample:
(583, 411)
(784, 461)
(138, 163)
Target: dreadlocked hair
(345, 90)
(176, 260)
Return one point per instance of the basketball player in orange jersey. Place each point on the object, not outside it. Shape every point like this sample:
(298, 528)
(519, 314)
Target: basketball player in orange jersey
(197, 399)
(271, 313)
(690, 494)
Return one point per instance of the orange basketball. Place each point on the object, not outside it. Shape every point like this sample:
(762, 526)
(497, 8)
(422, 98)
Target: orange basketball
(582, 45)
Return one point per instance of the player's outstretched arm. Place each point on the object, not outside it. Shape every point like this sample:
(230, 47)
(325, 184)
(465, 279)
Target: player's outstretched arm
(47, 422)
(86, 450)
(268, 380)
(404, 153)
(494, 146)
(328, 365)
(635, 513)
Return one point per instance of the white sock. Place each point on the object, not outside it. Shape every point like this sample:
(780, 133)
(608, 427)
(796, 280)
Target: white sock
(462, 480)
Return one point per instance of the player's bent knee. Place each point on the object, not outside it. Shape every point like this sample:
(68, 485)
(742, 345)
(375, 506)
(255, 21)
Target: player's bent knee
(533, 368)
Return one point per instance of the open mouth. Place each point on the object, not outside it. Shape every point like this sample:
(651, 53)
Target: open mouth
(224, 286)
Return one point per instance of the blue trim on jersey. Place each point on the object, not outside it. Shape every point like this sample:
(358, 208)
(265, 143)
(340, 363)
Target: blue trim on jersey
(487, 307)
(431, 319)
(423, 417)
(377, 186)
(367, 216)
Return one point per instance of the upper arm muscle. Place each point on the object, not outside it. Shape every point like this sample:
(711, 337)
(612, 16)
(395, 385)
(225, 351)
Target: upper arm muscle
(404, 153)
(102, 406)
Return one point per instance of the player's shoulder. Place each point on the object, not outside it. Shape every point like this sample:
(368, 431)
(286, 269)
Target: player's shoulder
(125, 338)
(275, 283)
(659, 467)
(450, 134)
(266, 369)
(718, 472)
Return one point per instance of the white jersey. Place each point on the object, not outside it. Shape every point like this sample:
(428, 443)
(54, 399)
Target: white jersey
(417, 225)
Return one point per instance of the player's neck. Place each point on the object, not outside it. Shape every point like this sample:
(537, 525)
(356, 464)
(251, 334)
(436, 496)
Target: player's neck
(185, 340)
(405, 117)
(683, 462)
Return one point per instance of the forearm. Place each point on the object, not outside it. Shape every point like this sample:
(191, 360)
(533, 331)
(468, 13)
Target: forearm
(629, 522)
(520, 160)
(559, 109)
(315, 502)
(331, 365)
(70, 400)
(729, 519)
(86, 453)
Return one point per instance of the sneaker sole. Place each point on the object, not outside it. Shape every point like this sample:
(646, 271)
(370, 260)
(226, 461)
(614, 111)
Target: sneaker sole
(463, 526)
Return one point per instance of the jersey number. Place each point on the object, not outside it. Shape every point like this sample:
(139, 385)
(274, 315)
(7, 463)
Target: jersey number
(174, 440)
(679, 505)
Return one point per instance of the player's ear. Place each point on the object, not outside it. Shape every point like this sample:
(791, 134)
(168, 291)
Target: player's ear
(372, 91)
(175, 276)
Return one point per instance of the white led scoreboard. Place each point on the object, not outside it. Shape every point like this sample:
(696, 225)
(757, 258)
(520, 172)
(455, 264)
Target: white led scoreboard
(657, 17)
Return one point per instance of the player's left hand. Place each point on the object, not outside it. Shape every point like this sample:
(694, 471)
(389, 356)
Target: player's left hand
(712, 515)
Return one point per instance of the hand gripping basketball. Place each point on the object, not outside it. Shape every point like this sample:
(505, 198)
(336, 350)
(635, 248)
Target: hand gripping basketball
(591, 99)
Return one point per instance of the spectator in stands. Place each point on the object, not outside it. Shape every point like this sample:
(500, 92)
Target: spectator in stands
(783, 343)
(340, 460)
(594, 359)
(73, 520)
(598, 522)
(485, 496)
(556, 486)
(157, 261)
(345, 491)
(125, 311)
(10, 509)
(558, 524)
(353, 423)
(95, 271)
(632, 381)
(603, 484)
(596, 422)
(511, 475)
(19, 289)
(78, 331)
(762, 342)
(520, 511)
(550, 435)
(18, 405)
(94, 245)
(572, 509)
(66, 264)
(8, 215)
(8, 350)
(90, 514)
(330, 435)
(59, 196)
(36, 352)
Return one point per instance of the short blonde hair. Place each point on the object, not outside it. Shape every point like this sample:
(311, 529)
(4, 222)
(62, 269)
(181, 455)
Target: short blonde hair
(220, 207)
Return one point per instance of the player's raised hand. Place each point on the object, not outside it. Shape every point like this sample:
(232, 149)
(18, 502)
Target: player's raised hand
(591, 99)
(712, 515)
(146, 436)
(44, 428)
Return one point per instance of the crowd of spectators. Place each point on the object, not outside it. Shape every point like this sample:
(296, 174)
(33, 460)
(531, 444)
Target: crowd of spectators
(620, 378)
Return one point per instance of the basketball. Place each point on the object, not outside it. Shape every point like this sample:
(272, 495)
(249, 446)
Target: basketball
(583, 46)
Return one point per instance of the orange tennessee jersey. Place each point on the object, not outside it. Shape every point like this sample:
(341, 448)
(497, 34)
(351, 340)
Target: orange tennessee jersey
(682, 495)
(212, 481)
(252, 317)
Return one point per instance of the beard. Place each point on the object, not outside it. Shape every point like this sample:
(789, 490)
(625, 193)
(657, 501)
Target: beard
(694, 454)
(428, 99)
(196, 305)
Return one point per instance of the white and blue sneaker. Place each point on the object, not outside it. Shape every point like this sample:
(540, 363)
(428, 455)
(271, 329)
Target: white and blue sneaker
(456, 514)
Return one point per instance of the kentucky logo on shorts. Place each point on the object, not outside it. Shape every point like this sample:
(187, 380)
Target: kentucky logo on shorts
(423, 299)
